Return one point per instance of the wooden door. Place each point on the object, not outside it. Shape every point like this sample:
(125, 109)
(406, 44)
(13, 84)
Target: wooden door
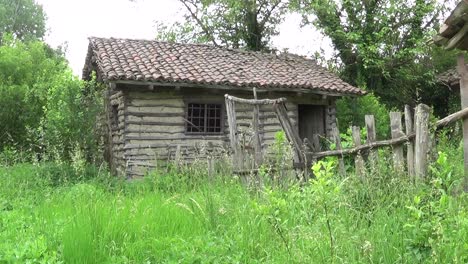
(311, 121)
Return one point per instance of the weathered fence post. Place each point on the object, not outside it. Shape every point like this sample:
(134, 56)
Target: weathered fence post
(422, 140)
(291, 132)
(463, 71)
(316, 143)
(210, 164)
(371, 137)
(337, 140)
(410, 146)
(359, 161)
(178, 157)
(258, 159)
(396, 129)
(237, 159)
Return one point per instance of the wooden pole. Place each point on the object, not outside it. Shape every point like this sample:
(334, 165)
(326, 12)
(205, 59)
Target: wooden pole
(232, 122)
(396, 130)
(422, 140)
(359, 162)
(410, 146)
(337, 140)
(463, 71)
(291, 132)
(371, 137)
(258, 159)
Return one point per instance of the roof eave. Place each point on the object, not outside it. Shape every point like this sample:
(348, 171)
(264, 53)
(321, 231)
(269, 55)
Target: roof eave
(152, 84)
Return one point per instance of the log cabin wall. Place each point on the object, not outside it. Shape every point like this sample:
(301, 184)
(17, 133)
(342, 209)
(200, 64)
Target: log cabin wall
(154, 124)
(116, 126)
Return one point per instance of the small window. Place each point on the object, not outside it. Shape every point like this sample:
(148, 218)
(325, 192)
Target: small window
(204, 118)
(115, 116)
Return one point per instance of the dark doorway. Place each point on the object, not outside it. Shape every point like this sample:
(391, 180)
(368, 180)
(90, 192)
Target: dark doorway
(311, 121)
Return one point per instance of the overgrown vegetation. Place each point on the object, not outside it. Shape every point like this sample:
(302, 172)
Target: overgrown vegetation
(57, 213)
(46, 110)
(55, 207)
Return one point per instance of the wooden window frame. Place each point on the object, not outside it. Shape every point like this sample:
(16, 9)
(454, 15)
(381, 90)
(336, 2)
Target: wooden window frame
(204, 102)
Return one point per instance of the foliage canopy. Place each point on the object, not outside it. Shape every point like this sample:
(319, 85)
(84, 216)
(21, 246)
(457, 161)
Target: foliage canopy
(248, 24)
(24, 19)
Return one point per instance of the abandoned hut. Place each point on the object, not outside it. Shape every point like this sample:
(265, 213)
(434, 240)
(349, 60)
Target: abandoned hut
(164, 98)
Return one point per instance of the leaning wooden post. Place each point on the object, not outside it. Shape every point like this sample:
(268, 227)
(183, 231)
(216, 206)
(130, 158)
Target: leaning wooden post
(463, 71)
(422, 140)
(371, 137)
(291, 133)
(410, 145)
(397, 131)
(337, 140)
(258, 159)
(359, 161)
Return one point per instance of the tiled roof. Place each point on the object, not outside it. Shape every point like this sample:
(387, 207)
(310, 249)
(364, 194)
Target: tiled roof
(154, 61)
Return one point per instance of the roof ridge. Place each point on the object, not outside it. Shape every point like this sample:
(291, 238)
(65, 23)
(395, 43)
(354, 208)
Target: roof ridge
(281, 55)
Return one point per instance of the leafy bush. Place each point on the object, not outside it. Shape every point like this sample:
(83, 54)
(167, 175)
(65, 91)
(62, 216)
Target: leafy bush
(45, 108)
(351, 112)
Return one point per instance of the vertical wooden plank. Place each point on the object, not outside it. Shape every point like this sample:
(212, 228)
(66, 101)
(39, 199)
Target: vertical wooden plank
(371, 137)
(410, 145)
(258, 159)
(422, 140)
(463, 71)
(316, 143)
(336, 138)
(210, 164)
(177, 158)
(397, 131)
(359, 161)
(232, 122)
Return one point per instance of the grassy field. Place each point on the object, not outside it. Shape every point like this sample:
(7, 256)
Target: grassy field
(57, 213)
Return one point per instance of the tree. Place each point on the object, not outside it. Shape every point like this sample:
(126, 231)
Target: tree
(24, 19)
(381, 45)
(248, 24)
(44, 107)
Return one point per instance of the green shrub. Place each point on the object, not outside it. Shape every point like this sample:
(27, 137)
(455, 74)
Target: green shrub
(351, 112)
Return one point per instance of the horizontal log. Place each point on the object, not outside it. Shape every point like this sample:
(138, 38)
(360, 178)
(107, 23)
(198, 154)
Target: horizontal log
(156, 108)
(367, 146)
(185, 137)
(452, 118)
(255, 102)
(153, 114)
(150, 123)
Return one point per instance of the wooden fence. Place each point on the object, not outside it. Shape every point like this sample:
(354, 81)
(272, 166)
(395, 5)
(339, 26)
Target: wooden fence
(416, 138)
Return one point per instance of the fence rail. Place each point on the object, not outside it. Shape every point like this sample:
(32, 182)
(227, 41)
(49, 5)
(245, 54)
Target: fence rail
(389, 142)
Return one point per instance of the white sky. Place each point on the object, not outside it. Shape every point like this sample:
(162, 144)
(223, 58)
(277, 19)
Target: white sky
(71, 22)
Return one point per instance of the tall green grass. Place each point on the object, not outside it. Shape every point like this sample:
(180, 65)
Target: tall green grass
(55, 213)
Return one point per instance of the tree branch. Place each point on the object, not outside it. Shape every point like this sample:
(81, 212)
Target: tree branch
(205, 29)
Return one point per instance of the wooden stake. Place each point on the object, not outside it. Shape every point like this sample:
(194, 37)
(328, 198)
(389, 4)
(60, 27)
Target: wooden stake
(359, 161)
(410, 145)
(463, 71)
(237, 160)
(177, 157)
(258, 159)
(396, 129)
(371, 137)
(422, 140)
(337, 140)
